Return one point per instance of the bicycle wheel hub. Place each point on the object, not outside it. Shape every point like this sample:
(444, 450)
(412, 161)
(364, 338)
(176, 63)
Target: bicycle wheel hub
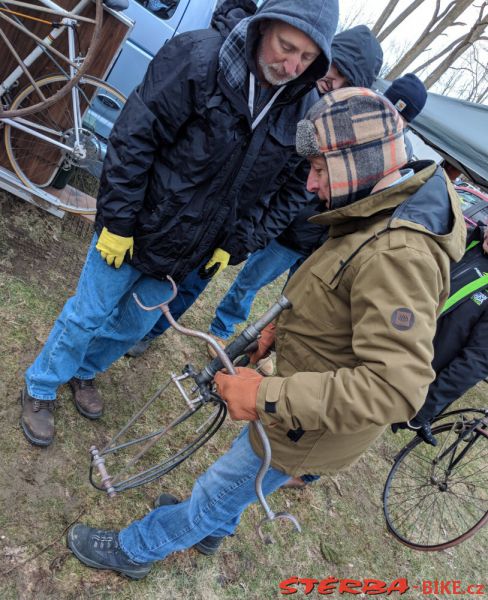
(87, 151)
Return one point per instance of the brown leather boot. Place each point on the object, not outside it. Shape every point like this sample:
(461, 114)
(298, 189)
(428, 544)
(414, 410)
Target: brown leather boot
(294, 483)
(86, 397)
(37, 419)
(211, 350)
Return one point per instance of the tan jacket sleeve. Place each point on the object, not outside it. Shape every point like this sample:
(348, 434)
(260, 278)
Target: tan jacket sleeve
(395, 298)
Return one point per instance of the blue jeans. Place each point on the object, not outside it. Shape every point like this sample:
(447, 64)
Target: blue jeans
(188, 291)
(97, 325)
(214, 508)
(261, 268)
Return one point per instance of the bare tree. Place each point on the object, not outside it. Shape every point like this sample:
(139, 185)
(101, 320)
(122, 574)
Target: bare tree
(467, 41)
(439, 22)
(383, 18)
(451, 82)
(352, 18)
(468, 79)
(384, 33)
(390, 58)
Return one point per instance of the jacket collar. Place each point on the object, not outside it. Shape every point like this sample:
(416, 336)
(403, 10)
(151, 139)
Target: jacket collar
(379, 203)
(426, 202)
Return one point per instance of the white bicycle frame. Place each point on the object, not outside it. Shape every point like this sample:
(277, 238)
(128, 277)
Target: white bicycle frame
(28, 126)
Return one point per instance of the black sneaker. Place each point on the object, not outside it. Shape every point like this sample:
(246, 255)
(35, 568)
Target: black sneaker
(209, 545)
(37, 419)
(100, 549)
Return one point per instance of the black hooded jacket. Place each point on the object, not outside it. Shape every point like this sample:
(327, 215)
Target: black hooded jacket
(184, 172)
(358, 56)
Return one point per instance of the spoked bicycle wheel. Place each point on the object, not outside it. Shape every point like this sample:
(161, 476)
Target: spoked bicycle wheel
(437, 497)
(52, 150)
(147, 457)
(29, 33)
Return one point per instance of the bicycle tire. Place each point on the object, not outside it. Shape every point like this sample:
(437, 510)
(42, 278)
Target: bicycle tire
(203, 434)
(409, 516)
(40, 164)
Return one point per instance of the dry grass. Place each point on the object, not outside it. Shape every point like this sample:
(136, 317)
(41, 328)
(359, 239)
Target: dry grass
(42, 491)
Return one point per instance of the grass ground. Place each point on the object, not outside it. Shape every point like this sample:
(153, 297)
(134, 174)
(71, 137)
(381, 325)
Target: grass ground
(42, 491)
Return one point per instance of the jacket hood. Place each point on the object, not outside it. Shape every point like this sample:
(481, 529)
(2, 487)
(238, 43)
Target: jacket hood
(357, 54)
(230, 13)
(426, 202)
(316, 18)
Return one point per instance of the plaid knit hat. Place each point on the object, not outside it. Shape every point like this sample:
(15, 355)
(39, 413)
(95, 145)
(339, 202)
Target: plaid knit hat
(360, 136)
(408, 95)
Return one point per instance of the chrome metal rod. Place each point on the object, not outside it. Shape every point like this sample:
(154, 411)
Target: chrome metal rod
(99, 462)
(253, 332)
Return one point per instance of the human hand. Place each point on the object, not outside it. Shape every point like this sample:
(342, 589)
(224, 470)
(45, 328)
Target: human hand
(113, 247)
(240, 392)
(265, 343)
(218, 262)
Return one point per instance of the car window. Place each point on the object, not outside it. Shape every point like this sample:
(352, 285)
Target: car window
(467, 199)
(164, 9)
(481, 216)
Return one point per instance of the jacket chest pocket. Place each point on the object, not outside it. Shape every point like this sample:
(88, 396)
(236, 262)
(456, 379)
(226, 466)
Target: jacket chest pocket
(222, 124)
(278, 148)
(319, 296)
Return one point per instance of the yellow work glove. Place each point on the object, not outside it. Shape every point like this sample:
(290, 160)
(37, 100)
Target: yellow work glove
(113, 248)
(218, 262)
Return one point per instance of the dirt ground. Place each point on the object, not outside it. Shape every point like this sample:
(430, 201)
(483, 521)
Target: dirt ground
(43, 491)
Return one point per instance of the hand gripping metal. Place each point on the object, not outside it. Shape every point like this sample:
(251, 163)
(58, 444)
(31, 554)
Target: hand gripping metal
(227, 363)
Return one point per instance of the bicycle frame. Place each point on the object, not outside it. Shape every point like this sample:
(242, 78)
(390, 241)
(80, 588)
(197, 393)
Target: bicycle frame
(44, 43)
(453, 413)
(454, 460)
(37, 130)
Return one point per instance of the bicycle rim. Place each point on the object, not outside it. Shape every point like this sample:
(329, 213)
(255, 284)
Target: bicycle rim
(189, 432)
(70, 176)
(428, 509)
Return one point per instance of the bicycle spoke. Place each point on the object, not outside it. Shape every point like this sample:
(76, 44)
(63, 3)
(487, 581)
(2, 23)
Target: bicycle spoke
(42, 31)
(75, 168)
(22, 65)
(431, 505)
(59, 13)
(40, 41)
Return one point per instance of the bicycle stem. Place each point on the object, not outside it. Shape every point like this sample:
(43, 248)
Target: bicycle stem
(224, 359)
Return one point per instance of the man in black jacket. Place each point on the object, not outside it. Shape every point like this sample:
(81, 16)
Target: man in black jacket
(356, 61)
(202, 152)
(461, 340)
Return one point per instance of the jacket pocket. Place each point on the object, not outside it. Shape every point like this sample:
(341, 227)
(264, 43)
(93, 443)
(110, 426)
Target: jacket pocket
(313, 292)
(284, 134)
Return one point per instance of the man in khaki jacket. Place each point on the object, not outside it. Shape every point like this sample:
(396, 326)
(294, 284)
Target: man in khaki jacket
(353, 354)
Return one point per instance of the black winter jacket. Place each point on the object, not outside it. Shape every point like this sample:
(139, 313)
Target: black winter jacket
(184, 172)
(461, 339)
(358, 56)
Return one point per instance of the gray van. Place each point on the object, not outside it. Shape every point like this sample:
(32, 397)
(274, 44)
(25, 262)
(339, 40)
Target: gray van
(155, 22)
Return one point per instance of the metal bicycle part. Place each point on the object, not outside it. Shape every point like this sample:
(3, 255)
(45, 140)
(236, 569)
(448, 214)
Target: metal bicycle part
(60, 151)
(34, 28)
(179, 444)
(437, 497)
(270, 515)
(205, 393)
(224, 360)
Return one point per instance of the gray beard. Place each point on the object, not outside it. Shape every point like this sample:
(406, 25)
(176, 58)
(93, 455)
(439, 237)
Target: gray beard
(269, 74)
